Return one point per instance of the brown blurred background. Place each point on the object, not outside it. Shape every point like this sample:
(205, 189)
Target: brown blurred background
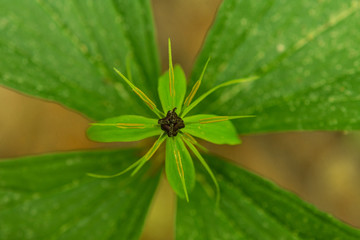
(323, 168)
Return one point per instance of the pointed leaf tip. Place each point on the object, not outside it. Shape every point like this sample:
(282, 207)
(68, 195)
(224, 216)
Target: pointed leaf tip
(196, 86)
(141, 94)
(150, 153)
(138, 164)
(207, 168)
(171, 74)
(228, 83)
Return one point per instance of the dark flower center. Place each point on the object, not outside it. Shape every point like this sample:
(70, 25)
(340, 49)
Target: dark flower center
(172, 123)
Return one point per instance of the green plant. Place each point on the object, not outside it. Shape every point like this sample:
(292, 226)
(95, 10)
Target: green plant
(304, 52)
(171, 127)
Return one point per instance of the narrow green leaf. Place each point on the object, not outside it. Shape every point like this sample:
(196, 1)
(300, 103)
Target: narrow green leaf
(179, 167)
(132, 166)
(251, 208)
(124, 129)
(205, 165)
(150, 153)
(168, 101)
(51, 197)
(306, 54)
(137, 165)
(228, 83)
(141, 94)
(171, 76)
(193, 141)
(70, 49)
(212, 128)
(196, 86)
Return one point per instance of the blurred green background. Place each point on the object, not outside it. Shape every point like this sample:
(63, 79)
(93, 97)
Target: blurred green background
(323, 168)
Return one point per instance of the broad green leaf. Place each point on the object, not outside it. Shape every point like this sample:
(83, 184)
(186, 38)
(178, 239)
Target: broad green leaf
(139, 28)
(179, 167)
(124, 128)
(51, 197)
(179, 90)
(212, 128)
(307, 57)
(251, 208)
(66, 50)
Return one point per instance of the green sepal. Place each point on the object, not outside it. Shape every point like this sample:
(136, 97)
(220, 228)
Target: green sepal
(202, 97)
(206, 166)
(212, 128)
(179, 167)
(196, 86)
(149, 154)
(141, 94)
(175, 97)
(138, 164)
(124, 128)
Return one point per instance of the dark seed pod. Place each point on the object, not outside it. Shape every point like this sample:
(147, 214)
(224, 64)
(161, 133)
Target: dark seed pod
(172, 123)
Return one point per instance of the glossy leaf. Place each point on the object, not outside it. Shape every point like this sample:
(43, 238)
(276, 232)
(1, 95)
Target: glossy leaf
(307, 57)
(142, 39)
(179, 167)
(251, 208)
(124, 128)
(51, 197)
(179, 91)
(66, 50)
(209, 128)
